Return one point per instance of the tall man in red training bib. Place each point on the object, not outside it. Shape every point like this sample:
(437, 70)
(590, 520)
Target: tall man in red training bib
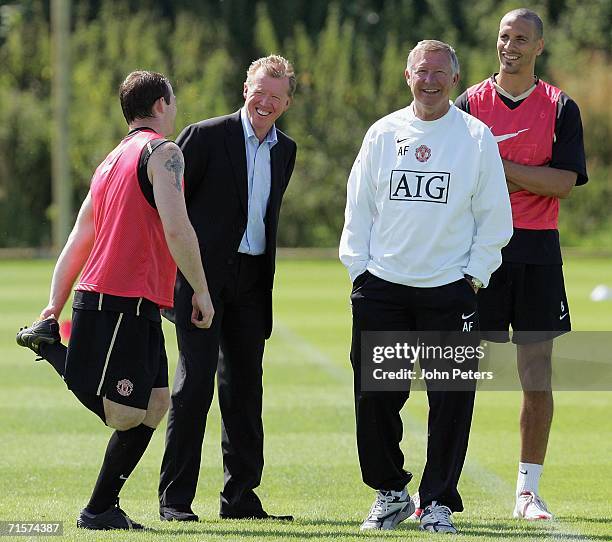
(539, 133)
(130, 231)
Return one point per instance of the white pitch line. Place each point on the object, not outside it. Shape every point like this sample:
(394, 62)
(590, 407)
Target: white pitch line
(503, 490)
(491, 482)
(311, 353)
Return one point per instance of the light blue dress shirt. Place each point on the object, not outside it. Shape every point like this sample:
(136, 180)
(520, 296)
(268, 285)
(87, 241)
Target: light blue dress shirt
(259, 180)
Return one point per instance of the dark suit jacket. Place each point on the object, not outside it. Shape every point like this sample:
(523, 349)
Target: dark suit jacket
(216, 193)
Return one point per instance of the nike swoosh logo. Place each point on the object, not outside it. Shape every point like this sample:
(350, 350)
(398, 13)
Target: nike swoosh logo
(503, 137)
(523, 471)
(464, 317)
(563, 316)
(401, 140)
(121, 477)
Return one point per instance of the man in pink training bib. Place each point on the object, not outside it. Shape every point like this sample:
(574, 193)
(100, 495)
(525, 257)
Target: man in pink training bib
(130, 231)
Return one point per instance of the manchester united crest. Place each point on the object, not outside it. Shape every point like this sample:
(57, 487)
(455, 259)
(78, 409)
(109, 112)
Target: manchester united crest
(124, 387)
(422, 153)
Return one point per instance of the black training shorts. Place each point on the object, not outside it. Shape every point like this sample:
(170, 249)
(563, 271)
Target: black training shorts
(530, 298)
(116, 348)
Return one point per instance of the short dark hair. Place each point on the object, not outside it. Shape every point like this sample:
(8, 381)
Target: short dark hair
(140, 90)
(531, 16)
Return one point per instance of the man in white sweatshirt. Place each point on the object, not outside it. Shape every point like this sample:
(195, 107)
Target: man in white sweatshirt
(427, 215)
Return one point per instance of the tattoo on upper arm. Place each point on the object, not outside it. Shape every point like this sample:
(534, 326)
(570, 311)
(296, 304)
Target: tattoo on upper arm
(176, 164)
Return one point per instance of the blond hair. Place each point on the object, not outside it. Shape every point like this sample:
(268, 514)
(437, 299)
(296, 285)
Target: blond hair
(275, 66)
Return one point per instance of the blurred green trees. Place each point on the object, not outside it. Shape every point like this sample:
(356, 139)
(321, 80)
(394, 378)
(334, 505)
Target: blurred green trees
(349, 58)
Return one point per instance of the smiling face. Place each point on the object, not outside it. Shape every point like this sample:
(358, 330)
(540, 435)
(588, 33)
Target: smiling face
(266, 98)
(430, 78)
(518, 46)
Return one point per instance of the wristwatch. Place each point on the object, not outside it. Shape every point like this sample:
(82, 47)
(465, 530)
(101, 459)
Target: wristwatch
(476, 283)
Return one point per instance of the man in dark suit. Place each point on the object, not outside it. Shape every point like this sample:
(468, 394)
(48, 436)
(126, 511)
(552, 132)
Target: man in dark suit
(237, 168)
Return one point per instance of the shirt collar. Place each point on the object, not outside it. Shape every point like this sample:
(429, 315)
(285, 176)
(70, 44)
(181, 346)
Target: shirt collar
(249, 133)
(140, 129)
(518, 98)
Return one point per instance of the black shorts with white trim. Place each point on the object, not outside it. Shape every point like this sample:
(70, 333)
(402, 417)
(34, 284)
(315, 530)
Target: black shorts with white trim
(116, 348)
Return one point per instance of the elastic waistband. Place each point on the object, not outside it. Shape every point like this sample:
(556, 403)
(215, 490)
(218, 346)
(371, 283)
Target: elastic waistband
(95, 301)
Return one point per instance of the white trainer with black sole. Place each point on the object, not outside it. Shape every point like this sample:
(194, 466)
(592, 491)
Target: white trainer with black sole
(389, 509)
(529, 506)
(436, 518)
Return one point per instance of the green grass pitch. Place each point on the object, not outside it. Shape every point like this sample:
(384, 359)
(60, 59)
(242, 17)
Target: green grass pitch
(51, 447)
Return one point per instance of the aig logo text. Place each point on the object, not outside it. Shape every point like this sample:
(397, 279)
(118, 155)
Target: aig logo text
(410, 185)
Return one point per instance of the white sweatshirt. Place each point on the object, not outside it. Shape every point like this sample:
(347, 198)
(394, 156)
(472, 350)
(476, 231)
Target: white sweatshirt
(427, 201)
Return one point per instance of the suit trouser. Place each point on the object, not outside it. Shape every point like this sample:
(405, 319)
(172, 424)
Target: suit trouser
(238, 329)
(379, 305)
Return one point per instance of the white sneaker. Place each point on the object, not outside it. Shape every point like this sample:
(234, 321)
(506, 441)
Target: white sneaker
(416, 499)
(389, 509)
(530, 506)
(436, 518)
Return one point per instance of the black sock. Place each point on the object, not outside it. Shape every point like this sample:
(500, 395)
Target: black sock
(123, 453)
(55, 354)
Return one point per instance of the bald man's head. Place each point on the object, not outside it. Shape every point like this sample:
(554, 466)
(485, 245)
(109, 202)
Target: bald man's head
(531, 16)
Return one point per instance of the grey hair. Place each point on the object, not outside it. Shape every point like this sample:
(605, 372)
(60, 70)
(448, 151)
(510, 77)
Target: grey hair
(275, 66)
(434, 45)
(531, 16)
